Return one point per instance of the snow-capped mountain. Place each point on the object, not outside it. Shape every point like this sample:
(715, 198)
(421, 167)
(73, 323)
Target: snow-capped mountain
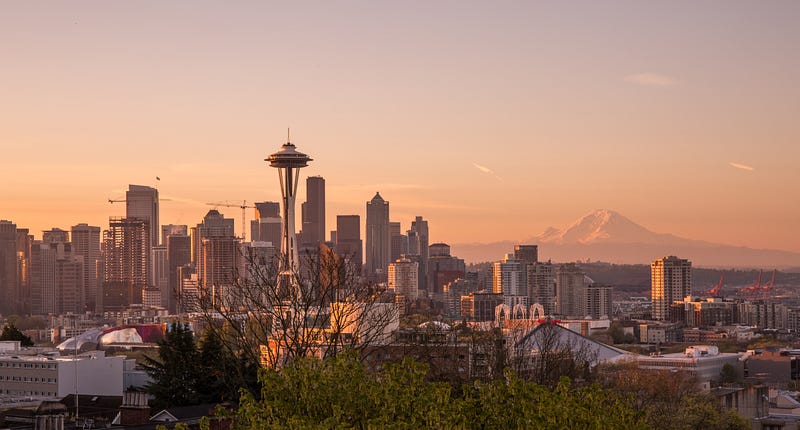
(605, 235)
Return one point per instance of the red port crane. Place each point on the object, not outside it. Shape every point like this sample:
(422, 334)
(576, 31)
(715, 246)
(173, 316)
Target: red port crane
(716, 290)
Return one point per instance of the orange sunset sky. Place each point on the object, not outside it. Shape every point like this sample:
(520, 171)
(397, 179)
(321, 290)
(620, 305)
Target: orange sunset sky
(493, 120)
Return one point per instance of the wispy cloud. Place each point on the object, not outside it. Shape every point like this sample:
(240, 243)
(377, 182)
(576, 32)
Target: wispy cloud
(651, 80)
(487, 170)
(483, 169)
(741, 166)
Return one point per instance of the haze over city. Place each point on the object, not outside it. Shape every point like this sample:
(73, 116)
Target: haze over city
(492, 121)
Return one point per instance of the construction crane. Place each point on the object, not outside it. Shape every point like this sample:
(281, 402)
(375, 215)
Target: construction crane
(716, 290)
(244, 208)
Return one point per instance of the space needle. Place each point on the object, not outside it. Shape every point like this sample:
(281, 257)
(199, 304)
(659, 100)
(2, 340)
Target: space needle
(288, 160)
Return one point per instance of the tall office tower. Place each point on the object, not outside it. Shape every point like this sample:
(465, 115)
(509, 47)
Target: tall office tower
(670, 280)
(571, 291)
(127, 265)
(348, 240)
(313, 212)
(24, 244)
(55, 235)
(542, 286)
(378, 239)
(217, 251)
(70, 288)
(420, 247)
(267, 225)
(256, 258)
(142, 202)
(443, 268)
(86, 244)
(8, 268)
(214, 224)
(403, 278)
(527, 253)
(160, 277)
(598, 302)
(57, 281)
(399, 241)
(176, 229)
(179, 254)
(288, 160)
(218, 269)
(509, 277)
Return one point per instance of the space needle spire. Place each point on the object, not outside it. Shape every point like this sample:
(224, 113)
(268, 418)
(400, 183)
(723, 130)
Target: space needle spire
(288, 160)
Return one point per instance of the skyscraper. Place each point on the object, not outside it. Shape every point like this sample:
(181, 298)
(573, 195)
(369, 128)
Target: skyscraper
(670, 280)
(169, 229)
(86, 244)
(399, 241)
(217, 251)
(348, 239)
(267, 225)
(443, 268)
(378, 239)
(179, 254)
(418, 245)
(214, 224)
(142, 202)
(313, 212)
(8, 267)
(570, 291)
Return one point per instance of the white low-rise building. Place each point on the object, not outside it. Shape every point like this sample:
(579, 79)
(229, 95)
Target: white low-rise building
(50, 375)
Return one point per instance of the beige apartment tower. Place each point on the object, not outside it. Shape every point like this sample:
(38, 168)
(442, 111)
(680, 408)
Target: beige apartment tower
(671, 281)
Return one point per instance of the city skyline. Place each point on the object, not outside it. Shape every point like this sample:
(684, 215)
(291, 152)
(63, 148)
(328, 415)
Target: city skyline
(490, 122)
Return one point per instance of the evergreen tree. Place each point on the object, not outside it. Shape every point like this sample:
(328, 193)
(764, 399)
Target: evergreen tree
(176, 371)
(11, 332)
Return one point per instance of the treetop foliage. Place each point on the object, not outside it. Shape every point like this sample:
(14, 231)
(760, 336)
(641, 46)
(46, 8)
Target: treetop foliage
(340, 393)
(11, 332)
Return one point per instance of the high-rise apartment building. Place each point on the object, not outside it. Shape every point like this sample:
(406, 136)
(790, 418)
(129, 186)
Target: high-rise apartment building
(542, 286)
(55, 235)
(348, 239)
(86, 244)
(313, 212)
(509, 277)
(571, 291)
(142, 202)
(8, 268)
(378, 247)
(670, 280)
(403, 278)
(267, 225)
(127, 265)
(598, 302)
(527, 253)
(418, 245)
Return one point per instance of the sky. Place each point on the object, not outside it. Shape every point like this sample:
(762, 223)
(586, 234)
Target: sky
(493, 120)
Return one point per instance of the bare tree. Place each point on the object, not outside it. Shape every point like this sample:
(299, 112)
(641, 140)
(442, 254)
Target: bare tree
(549, 352)
(318, 310)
